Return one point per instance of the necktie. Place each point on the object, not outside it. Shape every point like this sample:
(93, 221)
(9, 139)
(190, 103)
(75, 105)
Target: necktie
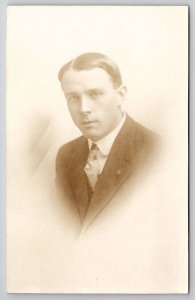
(92, 168)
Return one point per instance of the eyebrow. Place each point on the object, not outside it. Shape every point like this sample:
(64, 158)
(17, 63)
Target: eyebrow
(88, 91)
(95, 89)
(72, 94)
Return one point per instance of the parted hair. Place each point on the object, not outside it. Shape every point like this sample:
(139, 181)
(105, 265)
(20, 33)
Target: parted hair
(92, 60)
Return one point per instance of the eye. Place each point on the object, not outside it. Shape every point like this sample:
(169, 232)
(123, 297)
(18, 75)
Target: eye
(95, 93)
(72, 98)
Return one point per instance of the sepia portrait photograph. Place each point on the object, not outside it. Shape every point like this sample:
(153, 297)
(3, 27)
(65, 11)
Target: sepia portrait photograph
(97, 149)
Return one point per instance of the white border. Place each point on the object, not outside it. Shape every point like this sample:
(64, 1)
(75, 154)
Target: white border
(3, 5)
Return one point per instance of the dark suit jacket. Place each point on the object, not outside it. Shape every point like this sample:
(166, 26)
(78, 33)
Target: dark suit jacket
(132, 148)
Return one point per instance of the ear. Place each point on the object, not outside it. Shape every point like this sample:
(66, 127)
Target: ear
(122, 92)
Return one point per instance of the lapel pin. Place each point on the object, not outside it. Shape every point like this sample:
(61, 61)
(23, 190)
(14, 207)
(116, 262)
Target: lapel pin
(118, 172)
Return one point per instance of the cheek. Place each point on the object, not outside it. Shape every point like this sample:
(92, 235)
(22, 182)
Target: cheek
(72, 108)
(73, 112)
(104, 104)
(109, 106)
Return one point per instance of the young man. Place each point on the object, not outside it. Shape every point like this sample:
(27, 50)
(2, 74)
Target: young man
(91, 169)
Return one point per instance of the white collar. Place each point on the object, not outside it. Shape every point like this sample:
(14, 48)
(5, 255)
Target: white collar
(105, 144)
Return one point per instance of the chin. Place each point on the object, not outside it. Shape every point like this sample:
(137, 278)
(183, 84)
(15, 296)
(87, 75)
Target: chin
(91, 136)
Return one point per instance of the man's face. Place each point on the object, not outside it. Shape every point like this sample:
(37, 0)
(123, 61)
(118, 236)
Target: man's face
(93, 102)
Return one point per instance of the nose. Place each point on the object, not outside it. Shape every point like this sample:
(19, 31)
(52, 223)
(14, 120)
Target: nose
(85, 105)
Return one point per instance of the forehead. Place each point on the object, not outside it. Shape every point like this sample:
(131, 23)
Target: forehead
(93, 78)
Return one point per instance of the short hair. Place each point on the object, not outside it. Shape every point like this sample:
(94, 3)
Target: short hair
(92, 60)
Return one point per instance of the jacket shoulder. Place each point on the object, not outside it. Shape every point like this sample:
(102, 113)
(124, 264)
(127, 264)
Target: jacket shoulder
(68, 149)
(145, 134)
(147, 143)
(139, 133)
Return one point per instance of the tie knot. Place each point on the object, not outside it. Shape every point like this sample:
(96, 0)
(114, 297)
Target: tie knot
(94, 151)
(94, 147)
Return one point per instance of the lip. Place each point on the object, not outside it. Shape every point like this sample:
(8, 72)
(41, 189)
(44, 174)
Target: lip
(88, 122)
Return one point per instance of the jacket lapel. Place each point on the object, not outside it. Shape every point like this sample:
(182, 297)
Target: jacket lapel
(78, 178)
(117, 168)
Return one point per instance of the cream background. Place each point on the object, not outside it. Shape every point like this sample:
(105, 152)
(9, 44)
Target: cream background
(142, 246)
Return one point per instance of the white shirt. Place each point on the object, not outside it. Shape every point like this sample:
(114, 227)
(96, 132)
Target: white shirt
(105, 144)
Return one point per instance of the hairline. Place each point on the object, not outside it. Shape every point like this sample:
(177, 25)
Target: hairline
(114, 83)
(104, 65)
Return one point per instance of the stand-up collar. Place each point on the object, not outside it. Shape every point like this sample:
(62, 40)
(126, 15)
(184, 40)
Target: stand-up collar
(105, 144)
